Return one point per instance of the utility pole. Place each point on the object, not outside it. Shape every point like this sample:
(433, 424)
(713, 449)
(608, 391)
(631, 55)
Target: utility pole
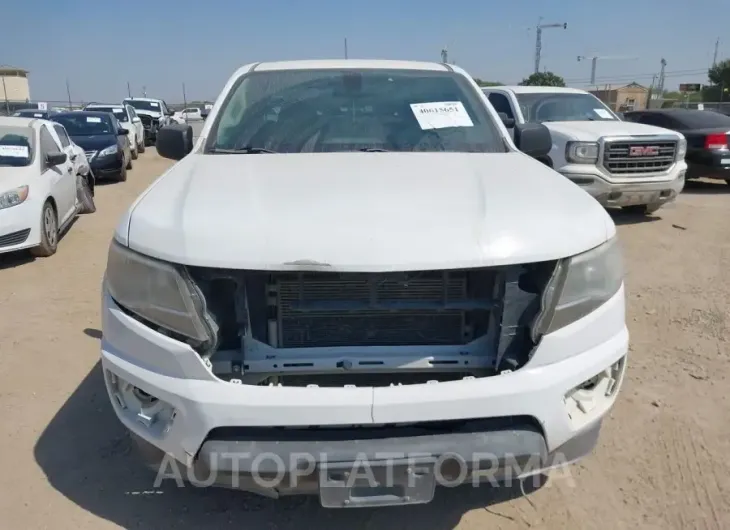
(68, 93)
(345, 47)
(5, 92)
(594, 63)
(444, 56)
(144, 91)
(185, 101)
(660, 83)
(714, 57)
(129, 91)
(538, 40)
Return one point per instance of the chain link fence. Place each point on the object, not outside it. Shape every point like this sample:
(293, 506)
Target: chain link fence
(7, 107)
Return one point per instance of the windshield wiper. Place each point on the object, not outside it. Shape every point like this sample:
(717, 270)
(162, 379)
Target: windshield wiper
(373, 150)
(245, 150)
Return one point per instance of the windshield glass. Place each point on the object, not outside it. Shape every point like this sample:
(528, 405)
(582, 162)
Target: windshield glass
(16, 146)
(81, 124)
(143, 105)
(306, 111)
(119, 112)
(555, 106)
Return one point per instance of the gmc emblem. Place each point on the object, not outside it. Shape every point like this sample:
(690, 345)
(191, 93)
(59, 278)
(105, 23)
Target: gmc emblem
(643, 150)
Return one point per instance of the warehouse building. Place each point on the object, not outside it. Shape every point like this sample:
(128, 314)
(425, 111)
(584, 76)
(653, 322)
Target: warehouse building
(14, 84)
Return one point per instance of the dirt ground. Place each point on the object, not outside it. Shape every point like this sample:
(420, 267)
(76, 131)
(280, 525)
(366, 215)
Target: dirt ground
(661, 461)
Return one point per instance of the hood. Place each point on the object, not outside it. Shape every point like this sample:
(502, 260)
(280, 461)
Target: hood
(364, 212)
(94, 143)
(13, 177)
(150, 113)
(592, 130)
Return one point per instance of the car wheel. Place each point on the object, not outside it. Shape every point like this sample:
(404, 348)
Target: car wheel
(129, 163)
(642, 209)
(134, 153)
(49, 232)
(141, 147)
(85, 195)
(122, 175)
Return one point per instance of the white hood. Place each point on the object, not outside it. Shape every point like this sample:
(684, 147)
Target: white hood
(363, 212)
(593, 130)
(150, 113)
(14, 177)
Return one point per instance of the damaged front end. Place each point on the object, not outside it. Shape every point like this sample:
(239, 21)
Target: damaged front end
(370, 329)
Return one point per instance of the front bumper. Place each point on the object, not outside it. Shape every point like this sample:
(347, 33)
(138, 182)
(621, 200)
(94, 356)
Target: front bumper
(194, 406)
(107, 166)
(20, 226)
(710, 165)
(628, 191)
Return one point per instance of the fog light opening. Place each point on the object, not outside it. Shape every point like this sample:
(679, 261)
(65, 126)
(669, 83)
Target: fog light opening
(590, 399)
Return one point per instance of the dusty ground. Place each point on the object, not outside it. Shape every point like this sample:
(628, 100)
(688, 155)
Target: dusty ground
(661, 462)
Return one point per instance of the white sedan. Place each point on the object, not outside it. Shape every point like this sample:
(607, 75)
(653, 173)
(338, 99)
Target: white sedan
(41, 190)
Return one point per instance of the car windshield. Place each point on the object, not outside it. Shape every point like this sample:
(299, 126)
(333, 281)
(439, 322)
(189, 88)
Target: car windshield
(540, 107)
(306, 111)
(30, 113)
(82, 124)
(16, 146)
(702, 119)
(119, 112)
(143, 105)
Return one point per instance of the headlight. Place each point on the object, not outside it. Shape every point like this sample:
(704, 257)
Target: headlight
(13, 197)
(111, 150)
(581, 152)
(580, 285)
(682, 149)
(158, 292)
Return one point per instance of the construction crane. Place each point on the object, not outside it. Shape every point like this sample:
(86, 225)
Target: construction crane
(538, 39)
(594, 62)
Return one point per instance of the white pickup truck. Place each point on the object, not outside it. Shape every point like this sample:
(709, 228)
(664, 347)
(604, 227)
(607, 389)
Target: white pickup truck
(637, 167)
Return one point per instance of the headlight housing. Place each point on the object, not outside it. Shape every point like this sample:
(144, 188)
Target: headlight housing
(13, 197)
(579, 286)
(581, 152)
(111, 150)
(681, 148)
(158, 292)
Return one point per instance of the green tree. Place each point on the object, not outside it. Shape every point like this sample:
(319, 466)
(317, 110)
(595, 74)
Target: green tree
(719, 77)
(482, 82)
(543, 79)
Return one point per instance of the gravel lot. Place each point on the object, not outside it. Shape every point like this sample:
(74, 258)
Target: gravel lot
(661, 461)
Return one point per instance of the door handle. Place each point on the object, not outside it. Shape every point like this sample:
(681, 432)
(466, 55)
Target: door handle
(69, 170)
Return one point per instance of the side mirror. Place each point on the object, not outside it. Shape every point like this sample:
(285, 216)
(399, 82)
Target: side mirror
(508, 122)
(175, 141)
(55, 158)
(136, 120)
(533, 139)
(122, 132)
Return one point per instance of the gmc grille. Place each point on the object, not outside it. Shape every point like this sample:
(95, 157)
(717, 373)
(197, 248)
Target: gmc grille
(619, 160)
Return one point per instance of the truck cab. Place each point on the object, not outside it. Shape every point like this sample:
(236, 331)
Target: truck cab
(622, 164)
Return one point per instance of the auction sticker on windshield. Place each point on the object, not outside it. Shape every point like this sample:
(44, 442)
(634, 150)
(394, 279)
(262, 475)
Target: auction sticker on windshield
(439, 115)
(93, 119)
(14, 151)
(603, 113)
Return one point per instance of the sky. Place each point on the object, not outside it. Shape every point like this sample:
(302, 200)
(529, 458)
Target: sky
(161, 45)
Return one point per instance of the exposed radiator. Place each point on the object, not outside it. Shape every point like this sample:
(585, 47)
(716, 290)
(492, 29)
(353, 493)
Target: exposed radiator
(357, 309)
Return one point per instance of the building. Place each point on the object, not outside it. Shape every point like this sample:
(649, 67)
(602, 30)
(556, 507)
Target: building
(14, 84)
(621, 99)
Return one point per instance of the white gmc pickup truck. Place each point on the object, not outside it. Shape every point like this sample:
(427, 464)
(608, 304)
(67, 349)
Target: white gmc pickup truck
(355, 283)
(631, 165)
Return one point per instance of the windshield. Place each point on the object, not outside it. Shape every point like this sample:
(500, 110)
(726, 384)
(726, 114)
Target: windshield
(555, 106)
(152, 106)
(81, 124)
(119, 112)
(16, 146)
(305, 111)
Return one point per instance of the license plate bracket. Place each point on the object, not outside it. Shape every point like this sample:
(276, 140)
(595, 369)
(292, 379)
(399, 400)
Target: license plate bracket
(380, 483)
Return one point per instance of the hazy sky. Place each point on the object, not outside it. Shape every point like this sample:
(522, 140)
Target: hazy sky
(100, 46)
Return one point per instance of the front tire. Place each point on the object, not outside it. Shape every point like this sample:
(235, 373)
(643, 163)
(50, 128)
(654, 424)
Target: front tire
(141, 146)
(122, 175)
(85, 195)
(129, 163)
(49, 232)
(134, 153)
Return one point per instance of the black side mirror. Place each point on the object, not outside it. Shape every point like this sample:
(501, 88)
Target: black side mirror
(122, 132)
(533, 139)
(174, 141)
(55, 158)
(508, 122)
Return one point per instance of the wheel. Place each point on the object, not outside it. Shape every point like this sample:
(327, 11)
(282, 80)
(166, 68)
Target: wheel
(141, 147)
(642, 209)
(129, 163)
(84, 195)
(134, 153)
(49, 232)
(122, 175)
